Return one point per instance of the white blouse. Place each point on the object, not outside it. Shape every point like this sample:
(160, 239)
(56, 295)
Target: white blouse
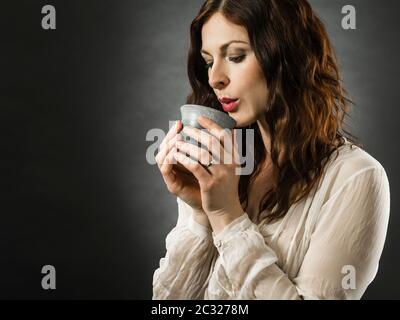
(327, 246)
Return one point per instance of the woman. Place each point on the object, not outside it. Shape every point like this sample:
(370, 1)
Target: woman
(310, 222)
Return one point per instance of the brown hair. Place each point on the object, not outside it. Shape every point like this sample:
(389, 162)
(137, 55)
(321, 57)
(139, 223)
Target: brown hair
(306, 101)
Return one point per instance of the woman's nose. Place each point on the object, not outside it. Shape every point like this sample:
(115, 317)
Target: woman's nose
(217, 77)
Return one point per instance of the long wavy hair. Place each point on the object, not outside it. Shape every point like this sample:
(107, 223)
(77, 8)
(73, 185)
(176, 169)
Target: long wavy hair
(306, 104)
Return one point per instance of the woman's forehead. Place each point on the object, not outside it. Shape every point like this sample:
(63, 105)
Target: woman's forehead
(218, 33)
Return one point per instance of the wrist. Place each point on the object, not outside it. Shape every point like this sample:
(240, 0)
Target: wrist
(202, 219)
(219, 221)
(198, 212)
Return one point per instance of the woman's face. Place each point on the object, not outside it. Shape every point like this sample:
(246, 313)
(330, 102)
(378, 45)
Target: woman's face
(233, 70)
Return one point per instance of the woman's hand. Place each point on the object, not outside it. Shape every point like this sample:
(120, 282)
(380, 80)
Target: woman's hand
(218, 182)
(179, 182)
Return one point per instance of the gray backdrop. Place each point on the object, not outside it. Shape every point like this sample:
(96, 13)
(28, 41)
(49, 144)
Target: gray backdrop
(76, 104)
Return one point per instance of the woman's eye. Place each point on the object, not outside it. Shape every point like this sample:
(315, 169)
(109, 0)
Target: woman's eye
(208, 65)
(237, 59)
(233, 59)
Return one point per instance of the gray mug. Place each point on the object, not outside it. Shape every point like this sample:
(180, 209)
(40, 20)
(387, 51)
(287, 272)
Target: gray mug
(190, 113)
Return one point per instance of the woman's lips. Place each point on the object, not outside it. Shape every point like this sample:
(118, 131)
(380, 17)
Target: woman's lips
(230, 105)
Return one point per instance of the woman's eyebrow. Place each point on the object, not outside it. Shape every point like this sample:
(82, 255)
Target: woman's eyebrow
(225, 46)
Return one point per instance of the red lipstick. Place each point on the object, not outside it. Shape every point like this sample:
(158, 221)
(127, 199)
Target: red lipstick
(229, 104)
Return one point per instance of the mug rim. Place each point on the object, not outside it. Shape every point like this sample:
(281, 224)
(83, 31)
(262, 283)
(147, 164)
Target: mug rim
(223, 117)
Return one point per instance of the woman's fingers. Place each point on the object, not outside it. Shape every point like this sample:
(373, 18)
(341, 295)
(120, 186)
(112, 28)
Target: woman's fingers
(194, 167)
(213, 142)
(171, 133)
(223, 135)
(167, 143)
(200, 154)
(166, 167)
(161, 157)
(173, 184)
(236, 152)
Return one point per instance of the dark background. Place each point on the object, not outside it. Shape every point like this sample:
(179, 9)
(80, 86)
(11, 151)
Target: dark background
(75, 106)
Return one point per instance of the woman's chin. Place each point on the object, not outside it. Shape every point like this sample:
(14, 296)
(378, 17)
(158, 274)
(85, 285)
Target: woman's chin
(240, 122)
